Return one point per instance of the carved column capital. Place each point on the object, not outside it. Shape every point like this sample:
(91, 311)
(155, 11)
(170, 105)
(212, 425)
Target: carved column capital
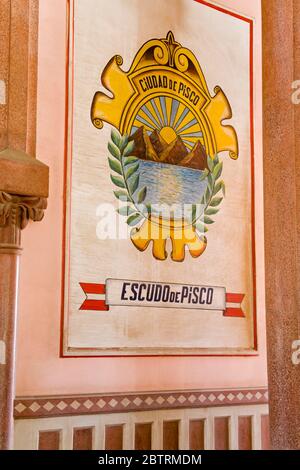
(15, 213)
(18, 210)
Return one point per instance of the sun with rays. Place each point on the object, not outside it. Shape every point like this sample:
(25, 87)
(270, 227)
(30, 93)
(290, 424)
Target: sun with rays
(171, 119)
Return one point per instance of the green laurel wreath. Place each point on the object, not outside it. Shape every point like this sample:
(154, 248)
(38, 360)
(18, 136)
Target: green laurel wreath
(126, 178)
(211, 199)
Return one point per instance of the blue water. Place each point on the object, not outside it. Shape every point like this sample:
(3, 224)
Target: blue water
(170, 185)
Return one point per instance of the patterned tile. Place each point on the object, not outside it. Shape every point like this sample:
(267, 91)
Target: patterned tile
(113, 403)
(171, 400)
(49, 406)
(20, 408)
(101, 403)
(160, 400)
(125, 402)
(149, 401)
(34, 407)
(182, 399)
(202, 398)
(192, 399)
(137, 401)
(60, 406)
(88, 404)
(75, 405)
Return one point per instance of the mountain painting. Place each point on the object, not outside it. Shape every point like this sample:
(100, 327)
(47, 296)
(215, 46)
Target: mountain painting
(155, 148)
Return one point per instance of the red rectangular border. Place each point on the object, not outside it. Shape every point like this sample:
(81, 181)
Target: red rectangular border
(64, 237)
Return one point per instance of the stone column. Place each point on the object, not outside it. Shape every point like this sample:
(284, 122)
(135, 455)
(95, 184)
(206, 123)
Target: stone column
(15, 212)
(23, 179)
(281, 21)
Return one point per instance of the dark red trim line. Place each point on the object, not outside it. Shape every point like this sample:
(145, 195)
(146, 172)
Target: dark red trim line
(223, 10)
(64, 242)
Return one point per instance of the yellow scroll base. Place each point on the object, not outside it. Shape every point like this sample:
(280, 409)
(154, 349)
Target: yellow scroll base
(159, 231)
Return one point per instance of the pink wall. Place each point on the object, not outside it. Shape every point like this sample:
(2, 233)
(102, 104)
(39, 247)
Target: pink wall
(40, 371)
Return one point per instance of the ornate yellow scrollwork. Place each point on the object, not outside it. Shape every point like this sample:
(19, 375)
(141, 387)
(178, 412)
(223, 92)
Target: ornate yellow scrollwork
(162, 67)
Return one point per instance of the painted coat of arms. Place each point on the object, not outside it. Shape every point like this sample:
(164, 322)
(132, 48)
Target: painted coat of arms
(168, 134)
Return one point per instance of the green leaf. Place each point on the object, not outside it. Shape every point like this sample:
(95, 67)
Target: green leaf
(204, 175)
(223, 188)
(133, 169)
(211, 181)
(208, 220)
(218, 188)
(194, 212)
(115, 165)
(216, 201)
(211, 211)
(201, 228)
(134, 219)
(116, 137)
(142, 195)
(207, 194)
(218, 170)
(123, 142)
(216, 159)
(128, 149)
(129, 160)
(210, 164)
(118, 181)
(133, 184)
(126, 210)
(113, 150)
(122, 195)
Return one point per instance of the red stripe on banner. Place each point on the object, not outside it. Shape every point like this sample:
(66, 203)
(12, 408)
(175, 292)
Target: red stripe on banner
(92, 288)
(94, 305)
(234, 298)
(234, 312)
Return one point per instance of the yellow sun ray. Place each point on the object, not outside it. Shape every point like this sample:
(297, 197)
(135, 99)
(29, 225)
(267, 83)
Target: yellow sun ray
(188, 145)
(146, 118)
(180, 111)
(152, 114)
(192, 141)
(169, 109)
(138, 124)
(191, 130)
(187, 122)
(160, 111)
(155, 112)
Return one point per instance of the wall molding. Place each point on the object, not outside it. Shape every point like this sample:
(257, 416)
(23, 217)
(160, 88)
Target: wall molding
(74, 405)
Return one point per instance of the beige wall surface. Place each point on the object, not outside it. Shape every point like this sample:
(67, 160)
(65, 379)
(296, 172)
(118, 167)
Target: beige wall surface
(40, 370)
